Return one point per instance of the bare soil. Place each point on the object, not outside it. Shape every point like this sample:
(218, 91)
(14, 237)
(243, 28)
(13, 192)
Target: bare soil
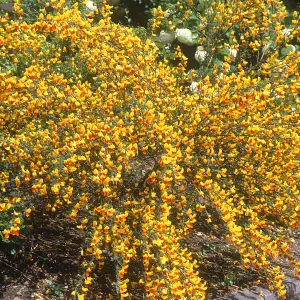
(46, 264)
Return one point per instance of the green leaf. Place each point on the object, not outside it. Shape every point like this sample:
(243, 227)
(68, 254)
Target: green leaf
(285, 51)
(200, 6)
(59, 293)
(193, 17)
(218, 62)
(225, 51)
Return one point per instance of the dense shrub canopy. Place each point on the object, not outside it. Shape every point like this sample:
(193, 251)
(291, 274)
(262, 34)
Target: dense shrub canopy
(94, 126)
(231, 34)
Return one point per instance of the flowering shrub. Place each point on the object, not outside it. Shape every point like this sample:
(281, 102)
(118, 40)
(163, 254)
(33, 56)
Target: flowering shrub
(234, 34)
(93, 126)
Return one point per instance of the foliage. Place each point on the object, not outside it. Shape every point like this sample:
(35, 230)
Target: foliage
(93, 126)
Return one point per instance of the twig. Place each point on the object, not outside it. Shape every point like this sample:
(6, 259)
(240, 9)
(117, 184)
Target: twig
(15, 269)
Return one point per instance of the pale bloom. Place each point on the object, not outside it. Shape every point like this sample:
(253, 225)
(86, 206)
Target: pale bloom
(91, 5)
(221, 76)
(194, 87)
(232, 53)
(286, 32)
(200, 54)
(184, 36)
(166, 37)
(168, 13)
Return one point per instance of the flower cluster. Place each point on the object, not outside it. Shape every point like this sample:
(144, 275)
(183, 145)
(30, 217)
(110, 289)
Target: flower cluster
(93, 125)
(239, 33)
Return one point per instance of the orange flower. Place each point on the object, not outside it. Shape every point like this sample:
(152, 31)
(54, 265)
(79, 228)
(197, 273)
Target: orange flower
(6, 233)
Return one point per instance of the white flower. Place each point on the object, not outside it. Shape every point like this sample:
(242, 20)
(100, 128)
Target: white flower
(90, 5)
(168, 13)
(232, 53)
(166, 37)
(200, 54)
(286, 32)
(221, 76)
(184, 36)
(194, 87)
